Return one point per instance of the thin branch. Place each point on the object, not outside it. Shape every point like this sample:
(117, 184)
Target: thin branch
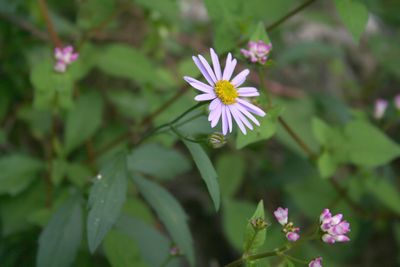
(289, 15)
(50, 26)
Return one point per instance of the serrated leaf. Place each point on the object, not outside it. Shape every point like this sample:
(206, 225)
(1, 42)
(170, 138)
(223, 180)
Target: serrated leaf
(368, 146)
(267, 128)
(170, 213)
(122, 251)
(254, 239)
(83, 121)
(157, 161)
(206, 170)
(52, 89)
(60, 239)
(230, 169)
(17, 172)
(354, 15)
(148, 239)
(106, 199)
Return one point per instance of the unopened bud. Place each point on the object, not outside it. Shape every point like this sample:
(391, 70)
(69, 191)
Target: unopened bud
(258, 223)
(216, 140)
(174, 251)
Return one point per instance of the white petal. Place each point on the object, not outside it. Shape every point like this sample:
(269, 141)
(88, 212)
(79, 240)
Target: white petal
(242, 118)
(203, 70)
(229, 67)
(204, 97)
(198, 85)
(252, 108)
(238, 121)
(240, 78)
(224, 120)
(229, 116)
(214, 104)
(208, 68)
(247, 114)
(216, 116)
(216, 65)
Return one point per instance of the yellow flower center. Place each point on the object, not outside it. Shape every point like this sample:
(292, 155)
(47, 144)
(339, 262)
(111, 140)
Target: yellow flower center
(226, 92)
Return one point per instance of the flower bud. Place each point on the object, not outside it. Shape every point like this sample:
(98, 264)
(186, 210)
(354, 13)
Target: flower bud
(216, 140)
(258, 223)
(317, 262)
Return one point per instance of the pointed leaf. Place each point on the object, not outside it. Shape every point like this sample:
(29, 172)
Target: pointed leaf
(354, 15)
(255, 238)
(106, 199)
(170, 213)
(60, 239)
(206, 170)
(83, 121)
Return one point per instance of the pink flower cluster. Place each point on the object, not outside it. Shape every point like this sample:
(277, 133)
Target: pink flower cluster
(257, 51)
(289, 229)
(64, 56)
(317, 262)
(334, 228)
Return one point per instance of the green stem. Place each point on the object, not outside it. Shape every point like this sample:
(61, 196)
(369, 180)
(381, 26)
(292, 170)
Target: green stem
(263, 87)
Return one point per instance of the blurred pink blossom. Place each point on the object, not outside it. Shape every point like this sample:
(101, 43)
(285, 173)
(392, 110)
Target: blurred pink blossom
(380, 108)
(64, 56)
(257, 51)
(334, 228)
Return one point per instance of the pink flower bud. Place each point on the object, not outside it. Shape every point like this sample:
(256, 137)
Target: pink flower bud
(334, 228)
(380, 108)
(292, 236)
(316, 262)
(281, 215)
(64, 56)
(397, 101)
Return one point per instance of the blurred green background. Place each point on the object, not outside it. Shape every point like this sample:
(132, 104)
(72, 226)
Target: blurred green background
(330, 62)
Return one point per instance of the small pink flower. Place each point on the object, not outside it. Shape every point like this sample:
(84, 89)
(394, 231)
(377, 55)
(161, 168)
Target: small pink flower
(64, 56)
(281, 215)
(291, 232)
(257, 51)
(397, 101)
(317, 262)
(292, 236)
(334, 228)
(380, 108)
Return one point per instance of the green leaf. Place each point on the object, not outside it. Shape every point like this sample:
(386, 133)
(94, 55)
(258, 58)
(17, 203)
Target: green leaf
(58, 170)
(126, 62)
(206, 170)
(260, 34)
(354, 16)
(148, 239)
(385, 192)
(122, 251)
(267, 128)
(368, 146)
(60, 239)
(106, 199)
(254, 239)
(235, 217)
(230, 169)
(83, 121)
(157, 161)
(170, 213)
(321, 130)
(52, 89)
(17, 172)
(326, 165)
(138, 209)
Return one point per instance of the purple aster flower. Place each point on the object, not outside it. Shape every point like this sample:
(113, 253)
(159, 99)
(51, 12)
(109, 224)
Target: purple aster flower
(64, 56)
(281, 215)
(334, 228)
(380, 108)
(257, 51)
(317, 262)
(397, 101)
(225, 94)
